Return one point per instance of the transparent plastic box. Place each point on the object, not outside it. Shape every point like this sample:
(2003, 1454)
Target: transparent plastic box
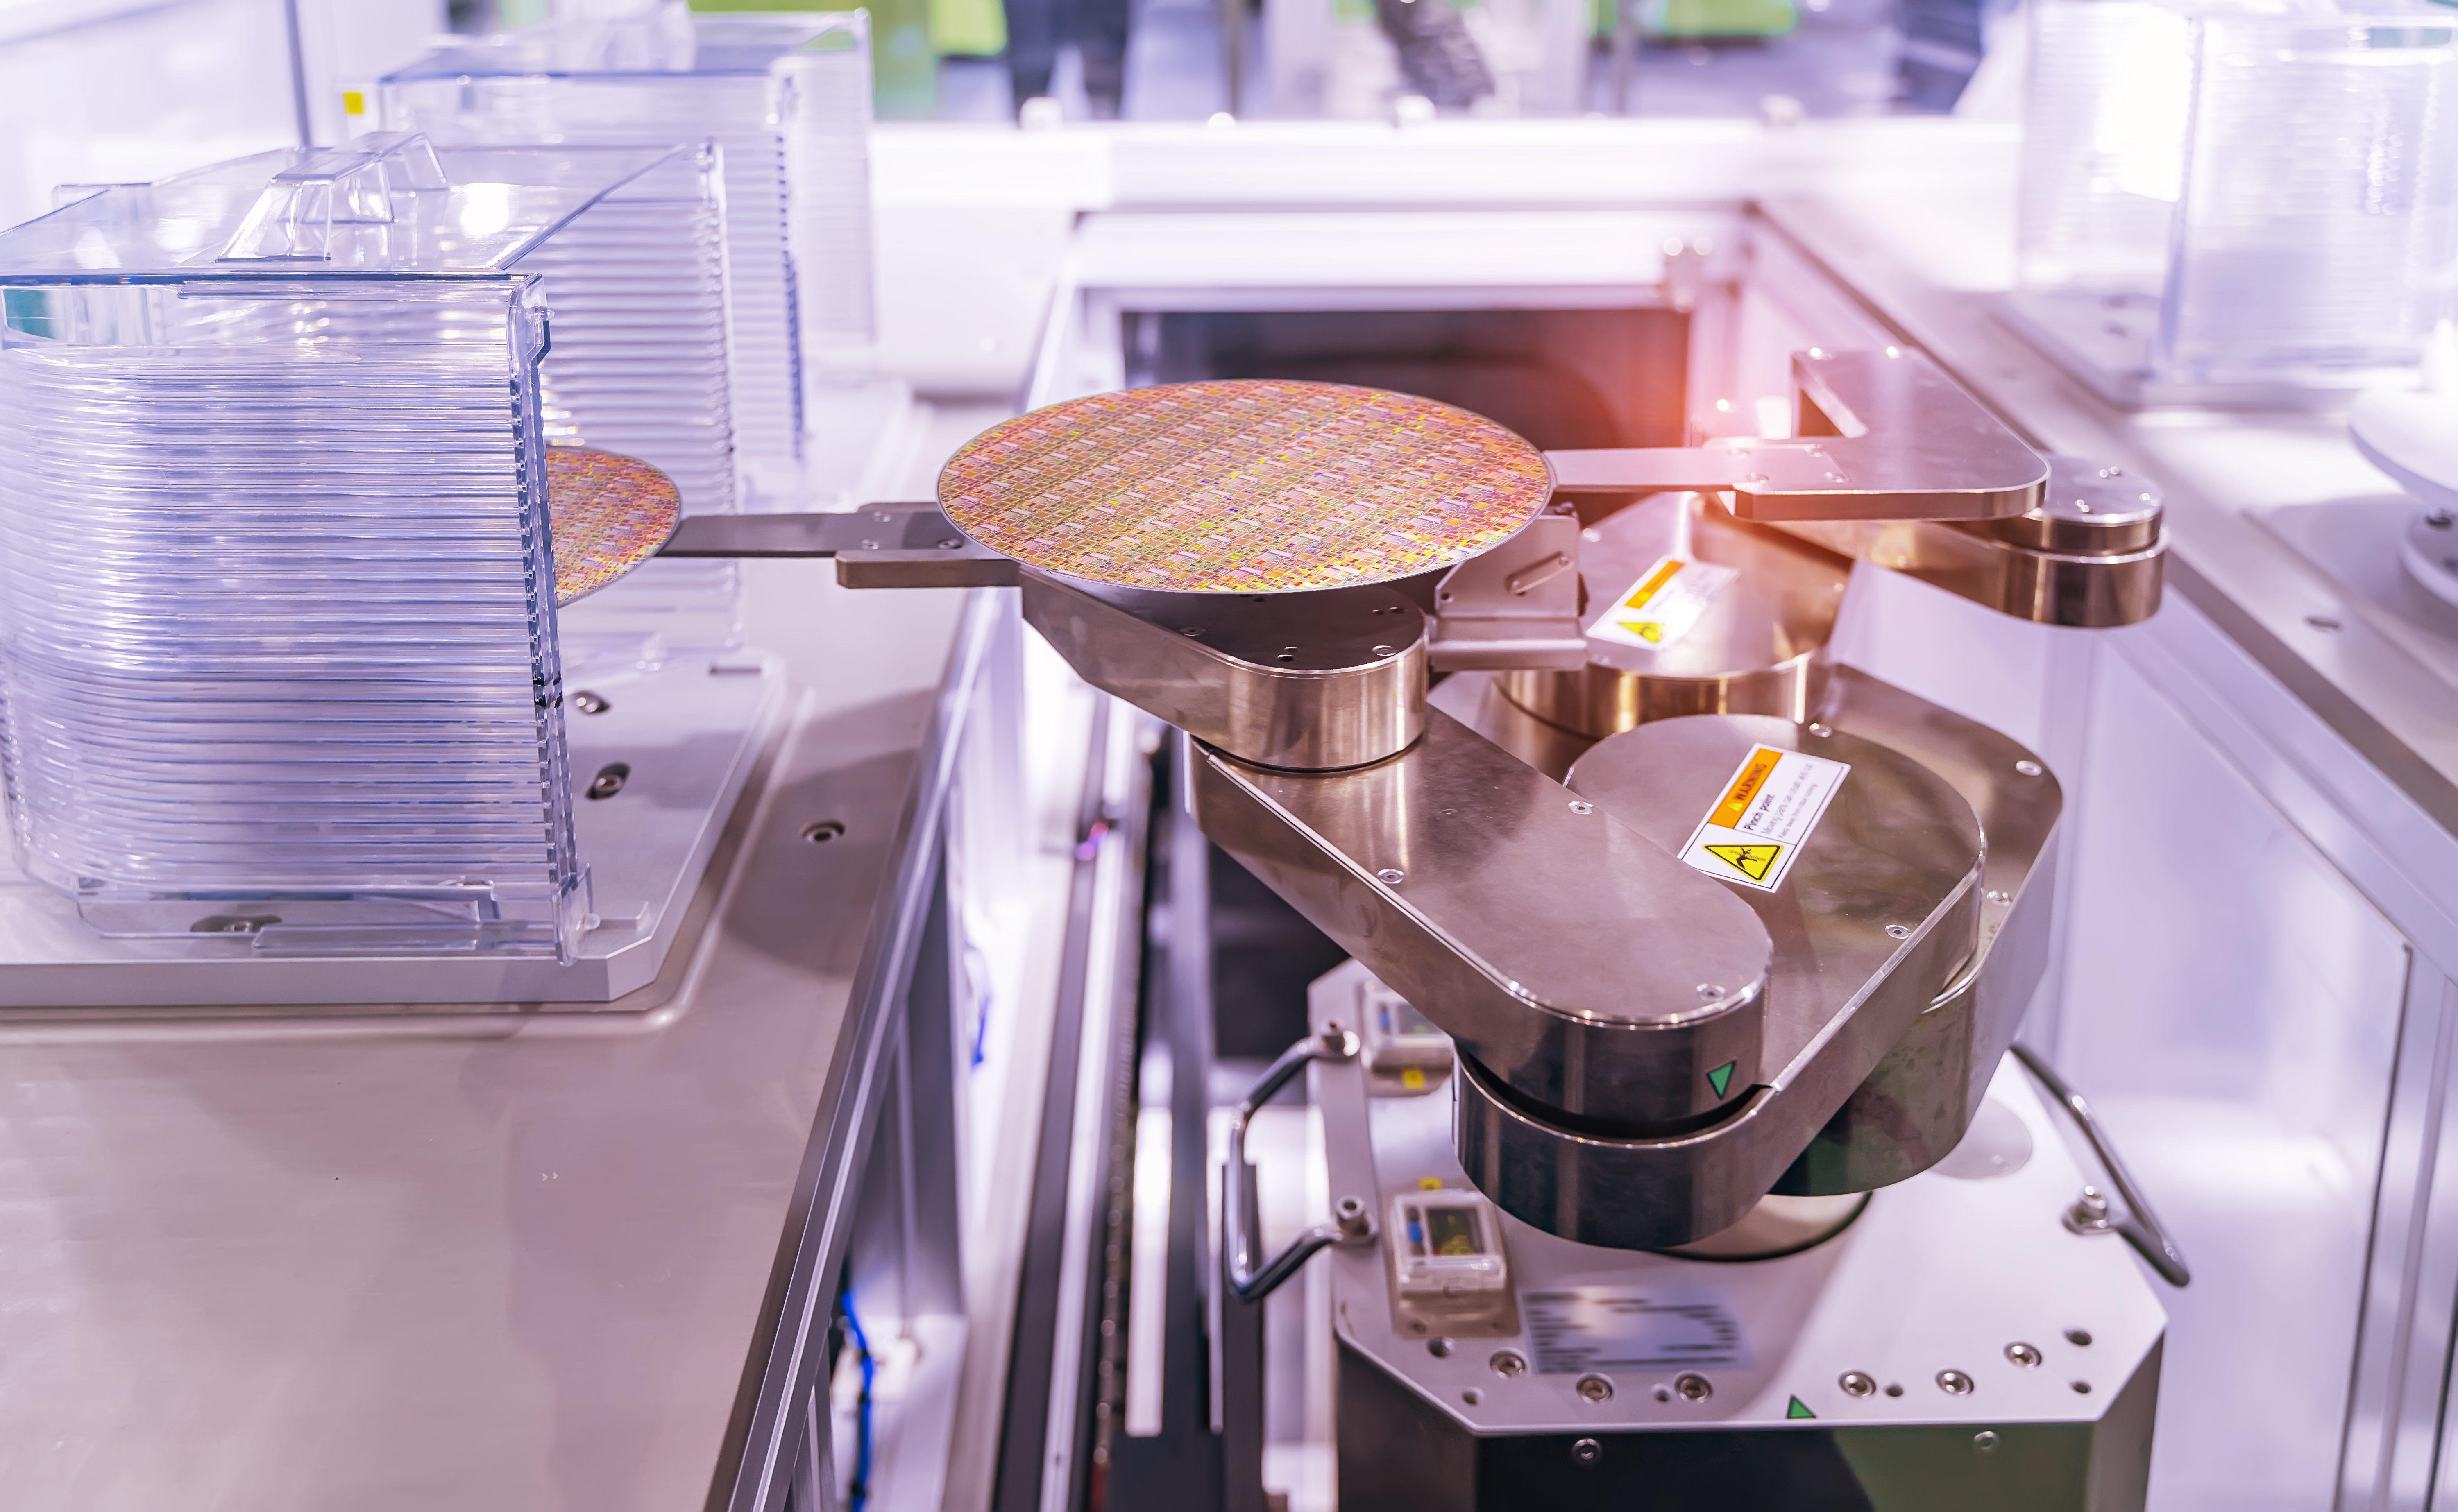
(277, 591)
(2236, 199)
(786, 97)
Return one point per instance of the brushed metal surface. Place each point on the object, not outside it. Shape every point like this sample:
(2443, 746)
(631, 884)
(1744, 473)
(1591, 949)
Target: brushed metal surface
(1757, 650)
(1311, 681)
(1883, 435)
(1899, 849)
(1916, 1106)
(1596, 975)
(2095, 592)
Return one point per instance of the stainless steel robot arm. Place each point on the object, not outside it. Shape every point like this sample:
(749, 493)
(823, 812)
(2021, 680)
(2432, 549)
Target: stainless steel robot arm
(1883, 436)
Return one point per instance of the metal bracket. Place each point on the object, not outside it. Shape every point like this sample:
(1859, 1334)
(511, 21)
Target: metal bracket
(1882, 436)
(1241, 1217)
(1517, 606)
(877, 546)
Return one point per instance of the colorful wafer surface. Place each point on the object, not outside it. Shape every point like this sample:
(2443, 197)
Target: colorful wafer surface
(1244, 487)
(608, 513)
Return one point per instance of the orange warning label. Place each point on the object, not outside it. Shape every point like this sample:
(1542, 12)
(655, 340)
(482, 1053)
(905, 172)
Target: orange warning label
(1745, 786)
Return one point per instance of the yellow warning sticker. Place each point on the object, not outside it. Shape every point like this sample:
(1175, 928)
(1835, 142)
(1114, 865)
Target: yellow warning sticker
(1663, 604)
(1764, 816)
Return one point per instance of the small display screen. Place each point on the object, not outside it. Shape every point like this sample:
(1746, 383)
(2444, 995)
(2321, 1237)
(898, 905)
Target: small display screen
(1452, 1231)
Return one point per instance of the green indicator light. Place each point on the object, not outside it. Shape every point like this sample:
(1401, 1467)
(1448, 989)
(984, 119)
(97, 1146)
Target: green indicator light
(1799, 1409)
(1722, 1076)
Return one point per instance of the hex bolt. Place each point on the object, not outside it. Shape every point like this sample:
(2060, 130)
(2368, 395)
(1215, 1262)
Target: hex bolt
(1350, 1215)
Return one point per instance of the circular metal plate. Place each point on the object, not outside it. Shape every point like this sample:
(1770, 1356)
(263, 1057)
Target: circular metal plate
(607, 513)
(1244, 487)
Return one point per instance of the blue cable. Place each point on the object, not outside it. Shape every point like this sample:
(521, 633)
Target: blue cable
(858, 1493)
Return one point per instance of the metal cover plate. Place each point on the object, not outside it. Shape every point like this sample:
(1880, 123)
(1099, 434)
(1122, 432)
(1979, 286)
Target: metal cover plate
(1244, 487)
(608, 514)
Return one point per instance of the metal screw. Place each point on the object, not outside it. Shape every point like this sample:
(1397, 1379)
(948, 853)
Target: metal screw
(1582, 806)
(1508, 1364)
(609, 780)
(1820, 731)
(1439, 1347)
(1998, 895)
(1693, 1387)
(1984, 1441)
(2089, 1214)
(1384, 650)
(587, 702)
(822, 832)
(2028, 767)
(870, 546)
(1192, 630)
(1390, 876)
(2022, 1355)
(1899, 931)
(1586, 1451)
(1709, 992)
(2078, 1337)
(1954, 1384)
(1855, 1384)
(1595, 1388)
(1287, 653)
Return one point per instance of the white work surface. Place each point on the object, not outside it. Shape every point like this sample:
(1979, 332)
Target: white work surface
(515, 1261)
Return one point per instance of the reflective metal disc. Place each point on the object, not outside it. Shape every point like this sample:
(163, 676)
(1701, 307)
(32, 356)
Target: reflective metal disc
(608, 514)
(1244, 487)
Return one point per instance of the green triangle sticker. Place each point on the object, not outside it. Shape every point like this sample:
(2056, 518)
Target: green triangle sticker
(1799, 1409)
(1722, 1076)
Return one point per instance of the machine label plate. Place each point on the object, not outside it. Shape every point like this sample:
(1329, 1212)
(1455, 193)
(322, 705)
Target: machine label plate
(1663, 604)
(1585, 1328)
(1764, 816)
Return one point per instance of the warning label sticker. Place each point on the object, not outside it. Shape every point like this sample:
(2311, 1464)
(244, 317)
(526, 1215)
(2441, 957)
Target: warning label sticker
(1765, 815)
(1585, 1328)
(1663, 604)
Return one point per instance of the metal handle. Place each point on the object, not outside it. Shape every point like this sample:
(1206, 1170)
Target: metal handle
(2090, 1215)
(1239, 1213)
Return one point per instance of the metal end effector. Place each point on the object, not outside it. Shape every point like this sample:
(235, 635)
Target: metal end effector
(1660, 1013)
